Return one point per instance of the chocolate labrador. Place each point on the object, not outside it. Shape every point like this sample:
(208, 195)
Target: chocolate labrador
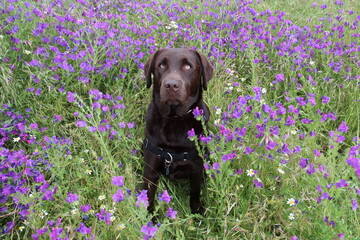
(179, 77)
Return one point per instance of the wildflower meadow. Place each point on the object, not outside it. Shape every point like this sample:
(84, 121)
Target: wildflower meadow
(283, 136)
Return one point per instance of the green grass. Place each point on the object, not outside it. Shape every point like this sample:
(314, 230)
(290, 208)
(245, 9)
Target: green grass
(235, 209)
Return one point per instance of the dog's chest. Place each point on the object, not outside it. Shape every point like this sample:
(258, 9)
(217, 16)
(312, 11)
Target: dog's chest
(175, 131)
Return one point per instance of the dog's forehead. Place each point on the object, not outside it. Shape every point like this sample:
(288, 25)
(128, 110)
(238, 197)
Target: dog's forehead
(177, 55)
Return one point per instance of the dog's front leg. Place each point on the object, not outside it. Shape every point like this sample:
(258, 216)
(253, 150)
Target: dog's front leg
(151, 178)
(196, 179)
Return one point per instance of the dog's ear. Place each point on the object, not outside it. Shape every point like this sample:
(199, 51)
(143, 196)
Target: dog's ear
(149, 68)
(207, 71)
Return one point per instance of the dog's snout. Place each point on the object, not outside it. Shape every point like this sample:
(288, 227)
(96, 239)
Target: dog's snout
(172, 84)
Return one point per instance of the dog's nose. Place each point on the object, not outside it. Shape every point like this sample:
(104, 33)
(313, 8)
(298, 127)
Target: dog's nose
(172, 84)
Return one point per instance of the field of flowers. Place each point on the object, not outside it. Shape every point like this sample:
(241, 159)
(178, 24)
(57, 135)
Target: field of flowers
(284, 134)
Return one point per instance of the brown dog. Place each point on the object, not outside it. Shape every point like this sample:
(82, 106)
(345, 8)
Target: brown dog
(179, 78)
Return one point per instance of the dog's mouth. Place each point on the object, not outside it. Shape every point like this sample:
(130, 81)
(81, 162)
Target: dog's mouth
(172, 102)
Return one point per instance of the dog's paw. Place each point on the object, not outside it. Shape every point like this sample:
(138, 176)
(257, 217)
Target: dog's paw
(198, 209)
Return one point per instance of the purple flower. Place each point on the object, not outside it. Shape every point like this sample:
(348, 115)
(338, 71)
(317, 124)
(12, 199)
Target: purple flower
(118, 196)
(191, 133)
(271, 145)
(341, 183)
(330, 223)
(205, 139)
(71, 96)
(57, 118)
(239, 171)
(306, 120)
(142, 199)
(197, 112)
(131, 125)
(216, 166)
(149, 230)
(105, 108)
(354, 204)
(258, 184)
(38, 13)
(80, 123)
(85, 208)
(92, 129)
(304, 162)
(72, 198)
(289, 121)
(48, 195)
(165, 197)
(339, 2)
(325, 196)
(317, 153)
(310, 169)
(34, 126)
(104, 216)
(227, 157)
(280, 77)
(343, 127)
(171, 213)
(341, 235)
(118, 181)
(248, 150)
(96, 93)
(96, 105)
(325, 99)
(42, 231)
(83, 229)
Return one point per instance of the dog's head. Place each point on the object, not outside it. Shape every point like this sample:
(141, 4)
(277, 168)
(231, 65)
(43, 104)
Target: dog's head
(178, 77)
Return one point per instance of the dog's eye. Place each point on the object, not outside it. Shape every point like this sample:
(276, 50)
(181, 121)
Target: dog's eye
(187, 66)
(162, 66)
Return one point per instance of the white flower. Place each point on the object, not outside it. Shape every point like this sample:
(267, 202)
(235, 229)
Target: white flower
(121, 226)
(74, 211)
(250, 172)
(291, 216)
(291, 202)
(172, 24)
(263, 90)
(43, 214)
(17, 139)
(280, 170)
(101, 197)
(230, 88)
